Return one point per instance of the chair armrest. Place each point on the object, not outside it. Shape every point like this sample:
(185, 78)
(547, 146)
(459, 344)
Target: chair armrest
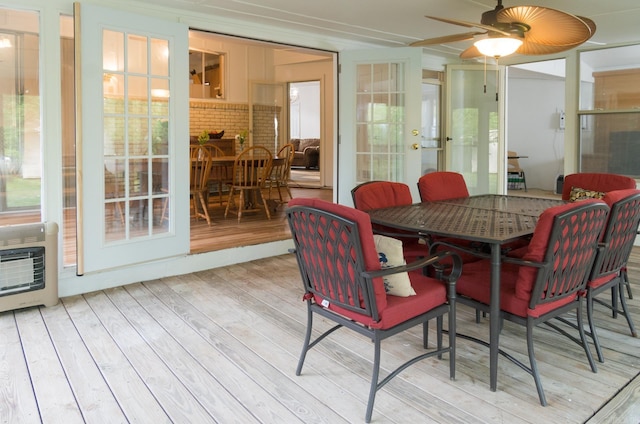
(523, 262)
(454, 271)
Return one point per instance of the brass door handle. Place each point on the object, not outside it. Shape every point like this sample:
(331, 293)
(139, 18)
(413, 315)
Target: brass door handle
(415, 146)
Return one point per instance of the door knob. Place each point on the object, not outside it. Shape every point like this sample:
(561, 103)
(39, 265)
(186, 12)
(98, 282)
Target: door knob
(415, 146)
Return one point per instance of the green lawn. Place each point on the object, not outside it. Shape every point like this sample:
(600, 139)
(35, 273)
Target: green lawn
(22, 193)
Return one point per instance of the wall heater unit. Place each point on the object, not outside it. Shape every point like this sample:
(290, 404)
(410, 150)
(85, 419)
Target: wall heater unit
(28, 265)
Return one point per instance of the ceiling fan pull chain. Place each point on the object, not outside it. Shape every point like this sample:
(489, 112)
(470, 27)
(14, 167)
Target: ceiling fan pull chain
(485, 75)
(497, 76)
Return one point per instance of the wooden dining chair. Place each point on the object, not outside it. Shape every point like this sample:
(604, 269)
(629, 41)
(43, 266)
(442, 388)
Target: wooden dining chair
(199, 185)
(281, 172)
(343, 282)
(220, 176)
(547, 281)
(251, 170)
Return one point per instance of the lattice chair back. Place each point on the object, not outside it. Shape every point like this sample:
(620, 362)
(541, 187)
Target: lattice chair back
(620, 232)
(443, 185)
(610, 266)
(565, 241)
(333, 252)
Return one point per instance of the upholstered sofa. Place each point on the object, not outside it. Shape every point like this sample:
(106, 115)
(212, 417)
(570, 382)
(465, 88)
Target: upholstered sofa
(307, 152)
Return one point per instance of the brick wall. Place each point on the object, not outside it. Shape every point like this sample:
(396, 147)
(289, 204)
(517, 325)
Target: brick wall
(233, 118)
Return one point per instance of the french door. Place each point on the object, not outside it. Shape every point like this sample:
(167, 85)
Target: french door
(131, 76)
(475, 131)
(380, 108)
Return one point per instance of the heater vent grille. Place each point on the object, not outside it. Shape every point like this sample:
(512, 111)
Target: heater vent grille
(28, 265)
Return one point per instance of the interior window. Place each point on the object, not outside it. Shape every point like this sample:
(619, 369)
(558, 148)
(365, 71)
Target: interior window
(206, 75)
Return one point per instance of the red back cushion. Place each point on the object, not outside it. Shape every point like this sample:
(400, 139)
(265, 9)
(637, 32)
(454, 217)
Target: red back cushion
(538, 246)
(381, 194)
(362, 220)
(442, 186)
(596, 182)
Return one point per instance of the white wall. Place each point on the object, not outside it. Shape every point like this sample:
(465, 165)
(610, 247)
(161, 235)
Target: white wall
(533, 109)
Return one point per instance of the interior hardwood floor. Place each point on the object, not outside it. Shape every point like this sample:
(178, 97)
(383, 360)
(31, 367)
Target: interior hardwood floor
(253, 228)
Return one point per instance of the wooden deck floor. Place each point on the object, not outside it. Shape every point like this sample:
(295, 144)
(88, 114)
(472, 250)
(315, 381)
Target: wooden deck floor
(221, 346)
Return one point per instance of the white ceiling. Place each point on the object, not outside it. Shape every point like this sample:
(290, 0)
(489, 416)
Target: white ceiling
(396, 23)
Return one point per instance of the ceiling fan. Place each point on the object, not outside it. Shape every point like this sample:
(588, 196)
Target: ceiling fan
(533, 30)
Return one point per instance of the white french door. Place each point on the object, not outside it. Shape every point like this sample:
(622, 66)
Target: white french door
(132, 95)
(475, 130)
(380, 108)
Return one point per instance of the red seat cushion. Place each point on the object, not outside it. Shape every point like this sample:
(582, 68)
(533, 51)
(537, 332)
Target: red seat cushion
(476, 284)
(430, 293)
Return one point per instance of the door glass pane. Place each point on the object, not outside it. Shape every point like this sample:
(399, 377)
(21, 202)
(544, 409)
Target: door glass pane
(20, 141)
(380, 111)
(430, 134)
(136, 108)
(474, 130)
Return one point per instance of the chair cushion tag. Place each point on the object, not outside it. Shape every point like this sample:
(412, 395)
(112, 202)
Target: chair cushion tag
(325, 303)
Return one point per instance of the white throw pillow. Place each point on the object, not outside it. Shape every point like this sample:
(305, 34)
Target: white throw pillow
(391, 254)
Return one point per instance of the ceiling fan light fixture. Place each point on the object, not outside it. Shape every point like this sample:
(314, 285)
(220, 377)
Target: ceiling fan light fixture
(498, 46)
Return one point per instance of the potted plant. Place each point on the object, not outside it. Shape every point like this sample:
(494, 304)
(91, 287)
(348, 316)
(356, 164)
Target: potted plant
(203, 138)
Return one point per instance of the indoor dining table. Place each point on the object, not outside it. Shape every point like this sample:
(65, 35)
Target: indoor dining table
(492, 219)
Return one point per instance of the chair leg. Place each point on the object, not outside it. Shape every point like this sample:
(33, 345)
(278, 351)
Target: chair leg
(583, 337)
(592, 327)
(425, 335)
(307, 339)
(374, 380)
(534, 365)
(625, 310)
(625, 281)
(205, 209)
(439, 335)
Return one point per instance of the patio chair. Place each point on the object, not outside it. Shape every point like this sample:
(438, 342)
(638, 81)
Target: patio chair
(515, 174)
(383, 194)
(344, 283)
(547, 281)
(613, 255)
(593, 184)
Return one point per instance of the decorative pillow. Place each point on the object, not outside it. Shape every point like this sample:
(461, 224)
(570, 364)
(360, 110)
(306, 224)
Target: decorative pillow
(391, 254)
(578, 193)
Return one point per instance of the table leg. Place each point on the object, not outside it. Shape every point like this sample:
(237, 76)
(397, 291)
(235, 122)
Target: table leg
(494, 319)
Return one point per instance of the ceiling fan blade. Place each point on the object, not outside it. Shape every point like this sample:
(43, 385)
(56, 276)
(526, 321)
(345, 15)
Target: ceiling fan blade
(531, 48)
(468, 24)
(470, 53)
(446, 39)
(548, 26)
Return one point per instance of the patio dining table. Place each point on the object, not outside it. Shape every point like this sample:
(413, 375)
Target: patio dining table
(492, 219)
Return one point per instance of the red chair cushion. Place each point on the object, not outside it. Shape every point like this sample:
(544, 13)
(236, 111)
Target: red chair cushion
(430, 293)
(442, 186)
(382, 194)
(538, 246)
(476, 284)
(597, 182)
(370, 255)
